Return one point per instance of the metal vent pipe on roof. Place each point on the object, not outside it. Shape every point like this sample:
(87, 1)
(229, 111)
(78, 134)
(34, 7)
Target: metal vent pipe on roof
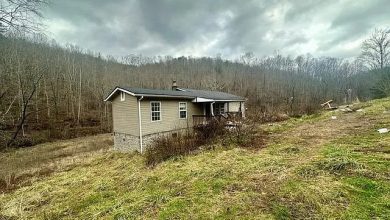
(174, 85)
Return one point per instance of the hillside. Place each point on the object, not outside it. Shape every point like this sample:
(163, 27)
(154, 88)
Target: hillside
(311, 167)
(50, 92)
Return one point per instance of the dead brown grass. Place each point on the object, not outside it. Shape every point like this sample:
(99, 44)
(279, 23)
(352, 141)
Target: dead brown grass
(24, 166)
(308, 169)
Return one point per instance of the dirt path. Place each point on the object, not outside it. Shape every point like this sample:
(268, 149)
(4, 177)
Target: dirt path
(322, 131)
(309, 138)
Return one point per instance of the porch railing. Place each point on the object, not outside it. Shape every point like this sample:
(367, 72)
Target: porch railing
(200, 120)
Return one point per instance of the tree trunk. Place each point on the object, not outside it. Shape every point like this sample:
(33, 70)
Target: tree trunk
(79, 107)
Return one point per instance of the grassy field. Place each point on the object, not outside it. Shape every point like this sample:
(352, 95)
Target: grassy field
(312, 167)
(22, 167)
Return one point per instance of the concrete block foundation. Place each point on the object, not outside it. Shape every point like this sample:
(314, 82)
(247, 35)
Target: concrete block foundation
(127, 142)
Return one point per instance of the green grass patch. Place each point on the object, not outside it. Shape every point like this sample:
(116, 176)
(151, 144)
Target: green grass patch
(369, 199)
(377, 106)
(338, 160)
(283, 126)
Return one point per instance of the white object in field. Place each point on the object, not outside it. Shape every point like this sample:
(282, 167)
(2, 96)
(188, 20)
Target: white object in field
(334, 117)
(383, 130)
(359, 110)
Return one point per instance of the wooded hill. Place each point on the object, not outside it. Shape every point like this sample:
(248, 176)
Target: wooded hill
(49, 91)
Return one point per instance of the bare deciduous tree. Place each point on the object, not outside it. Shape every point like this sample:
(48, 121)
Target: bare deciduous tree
(68, 100)
(20, 15)
(28, 84)
(376, 49)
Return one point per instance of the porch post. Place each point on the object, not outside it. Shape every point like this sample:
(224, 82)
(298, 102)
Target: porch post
(211, 108)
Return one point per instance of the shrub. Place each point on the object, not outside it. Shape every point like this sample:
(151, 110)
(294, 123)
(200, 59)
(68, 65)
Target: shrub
(166, 146)
(243, 135)
(23, 142)
(246, 134)
(213, 129)
(4, 138)
(3, 126)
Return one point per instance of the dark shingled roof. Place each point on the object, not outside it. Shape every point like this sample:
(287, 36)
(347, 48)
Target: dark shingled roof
(186, 93)
(158, 92)
(216, 95)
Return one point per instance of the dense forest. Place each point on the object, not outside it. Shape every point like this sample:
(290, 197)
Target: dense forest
(50, 91)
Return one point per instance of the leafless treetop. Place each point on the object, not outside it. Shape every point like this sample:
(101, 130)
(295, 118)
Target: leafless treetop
(20, 15)
(376, 49)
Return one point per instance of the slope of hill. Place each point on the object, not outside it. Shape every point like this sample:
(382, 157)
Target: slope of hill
(312, 167)
(49, 92)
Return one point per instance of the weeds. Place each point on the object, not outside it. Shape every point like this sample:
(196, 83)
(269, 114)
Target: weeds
(308, 172)
(339, 165)
(313, 169)
(246, 135)
(243, 135)
(166, 146)
(51, 133)
(19, 167)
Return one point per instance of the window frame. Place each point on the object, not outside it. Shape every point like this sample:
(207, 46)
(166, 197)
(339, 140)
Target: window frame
(123, 96)
(151, 111)
(186, 110)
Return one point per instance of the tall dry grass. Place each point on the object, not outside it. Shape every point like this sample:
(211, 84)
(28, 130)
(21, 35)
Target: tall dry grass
(20, 167)
(244, 134)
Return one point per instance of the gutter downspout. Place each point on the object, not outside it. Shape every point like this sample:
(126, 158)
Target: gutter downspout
(140, 123)
(212, 108)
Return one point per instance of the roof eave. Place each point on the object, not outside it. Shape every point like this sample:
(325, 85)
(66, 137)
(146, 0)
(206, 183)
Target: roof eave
(230, 100)
(118, 89)
(200, 100)
(195, 99)
(144, 95)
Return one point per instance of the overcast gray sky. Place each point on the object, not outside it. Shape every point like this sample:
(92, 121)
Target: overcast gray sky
(210, 27)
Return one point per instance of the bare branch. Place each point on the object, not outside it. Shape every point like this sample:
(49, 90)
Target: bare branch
(21, 15)
(376, 49)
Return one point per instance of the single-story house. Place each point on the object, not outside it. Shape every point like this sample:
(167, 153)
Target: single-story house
(139, 115)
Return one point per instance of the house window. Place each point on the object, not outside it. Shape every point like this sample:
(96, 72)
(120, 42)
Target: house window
(220, 108)
(183, 110)
(123, 96)
(155, 109)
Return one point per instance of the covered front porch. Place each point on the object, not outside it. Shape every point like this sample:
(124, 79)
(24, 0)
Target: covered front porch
(218, 111)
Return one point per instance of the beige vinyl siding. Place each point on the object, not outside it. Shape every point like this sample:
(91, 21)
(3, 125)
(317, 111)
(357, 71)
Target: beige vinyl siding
(125, 115)
(234, 107)
(170, 119)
